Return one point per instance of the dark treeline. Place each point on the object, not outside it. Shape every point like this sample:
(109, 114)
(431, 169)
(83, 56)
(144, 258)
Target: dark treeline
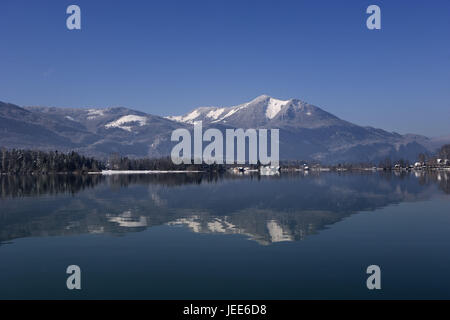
(32, 161)
(17, 161)
(123, 163)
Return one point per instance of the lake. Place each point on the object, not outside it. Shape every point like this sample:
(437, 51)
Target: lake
(198, 236)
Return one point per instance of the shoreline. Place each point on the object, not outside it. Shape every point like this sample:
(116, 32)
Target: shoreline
(282, 170)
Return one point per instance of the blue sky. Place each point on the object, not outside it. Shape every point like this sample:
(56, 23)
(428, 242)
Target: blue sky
(168, 57)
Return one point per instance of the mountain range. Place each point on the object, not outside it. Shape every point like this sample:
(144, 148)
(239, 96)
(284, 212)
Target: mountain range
(307, 132)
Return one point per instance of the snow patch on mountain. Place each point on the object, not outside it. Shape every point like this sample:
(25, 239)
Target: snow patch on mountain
(231, 111)
(126, 122)
(189, 118)
(175, 118)
(95, 113)
(274, 107)
(214, 114)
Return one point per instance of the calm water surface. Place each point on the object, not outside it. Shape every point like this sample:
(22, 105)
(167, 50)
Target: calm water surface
(226, 237)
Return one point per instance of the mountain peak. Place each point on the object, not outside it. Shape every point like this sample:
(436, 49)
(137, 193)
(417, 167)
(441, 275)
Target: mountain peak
(261, 98)
(273, 106)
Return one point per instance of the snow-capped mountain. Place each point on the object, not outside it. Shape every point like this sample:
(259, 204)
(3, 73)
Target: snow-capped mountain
(306, 131)
(309, 132)
(259, 112)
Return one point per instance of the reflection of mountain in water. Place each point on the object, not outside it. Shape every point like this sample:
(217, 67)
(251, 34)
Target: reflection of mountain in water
(275, 232)
(267, 210)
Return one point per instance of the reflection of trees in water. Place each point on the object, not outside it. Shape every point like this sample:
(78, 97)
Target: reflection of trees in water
(441, 178)
(34, 185)
(444, 182)
(176, 179)
(163, 179)
(52, 184)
